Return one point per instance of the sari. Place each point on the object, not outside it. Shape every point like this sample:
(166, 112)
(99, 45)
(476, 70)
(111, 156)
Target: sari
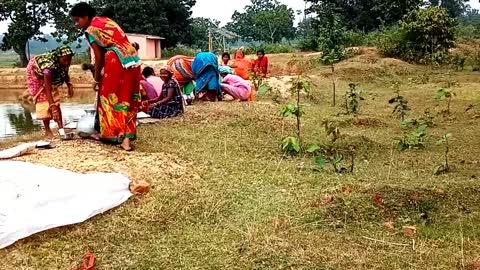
(260, 67)
(119, 93)
(205, 69)
(47, 64)
(242, 65)
(181, 67)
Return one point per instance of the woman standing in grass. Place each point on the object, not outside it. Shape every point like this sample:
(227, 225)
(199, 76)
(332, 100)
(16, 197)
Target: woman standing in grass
(45, 74)
(119, 91)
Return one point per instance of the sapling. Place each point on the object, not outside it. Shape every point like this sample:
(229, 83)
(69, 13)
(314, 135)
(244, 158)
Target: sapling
(445, 167)
(400, 104)
(414, 134)
(352, 99)
(330, 59)
(445, 94)
(299, 84)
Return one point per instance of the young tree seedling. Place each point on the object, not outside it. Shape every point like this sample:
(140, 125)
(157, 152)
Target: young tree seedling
(299, 84)
(352, 99)
(401, 108)
(445, 167)
(445, 94)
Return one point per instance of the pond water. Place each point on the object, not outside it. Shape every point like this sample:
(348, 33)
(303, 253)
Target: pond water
(15, 120)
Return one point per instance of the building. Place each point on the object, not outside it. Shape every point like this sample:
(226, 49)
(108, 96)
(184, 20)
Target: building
(150, 46)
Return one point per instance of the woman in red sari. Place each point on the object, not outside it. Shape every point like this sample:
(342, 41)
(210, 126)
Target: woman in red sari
(119, 94)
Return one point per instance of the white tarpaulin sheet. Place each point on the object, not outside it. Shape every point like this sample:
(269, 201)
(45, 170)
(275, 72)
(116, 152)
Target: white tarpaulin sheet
(35, 198)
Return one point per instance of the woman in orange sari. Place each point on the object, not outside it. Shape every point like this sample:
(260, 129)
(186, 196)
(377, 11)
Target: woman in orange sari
(119, 85)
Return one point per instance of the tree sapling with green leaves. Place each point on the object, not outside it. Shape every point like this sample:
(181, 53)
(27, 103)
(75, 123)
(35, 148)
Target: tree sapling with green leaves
(299, 84)
(445, 167)
(352, 99)
(400, 104)
(414, 135)
(445, 94)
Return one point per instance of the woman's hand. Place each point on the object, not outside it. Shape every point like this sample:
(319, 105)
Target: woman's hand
(70, 90)
(151, 106)
(55, 111)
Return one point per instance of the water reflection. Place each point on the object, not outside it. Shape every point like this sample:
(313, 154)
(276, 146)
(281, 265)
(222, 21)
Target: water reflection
(16, 120)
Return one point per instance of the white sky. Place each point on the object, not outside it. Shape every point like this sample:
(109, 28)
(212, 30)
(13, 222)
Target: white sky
(223, 10)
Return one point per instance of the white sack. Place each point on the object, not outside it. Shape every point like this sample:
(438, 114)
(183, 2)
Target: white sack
(35, 198)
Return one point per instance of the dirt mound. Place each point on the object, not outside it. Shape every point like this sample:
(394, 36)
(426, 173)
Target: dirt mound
(369, 64)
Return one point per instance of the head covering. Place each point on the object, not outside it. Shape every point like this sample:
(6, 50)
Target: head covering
(225, 70)
(166, 68)
(63, 51)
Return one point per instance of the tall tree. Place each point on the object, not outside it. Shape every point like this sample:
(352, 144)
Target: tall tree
(199, 36)
(170, 19)
(27, 17)
(455, 8)
(264, 20)
(365, 15)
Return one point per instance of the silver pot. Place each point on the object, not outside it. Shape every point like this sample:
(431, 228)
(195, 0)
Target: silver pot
(86, 124)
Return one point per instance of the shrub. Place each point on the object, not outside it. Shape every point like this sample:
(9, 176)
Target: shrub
(354, 39)
(271, 48)
(179, 50)
(308, 44)
(423, 36)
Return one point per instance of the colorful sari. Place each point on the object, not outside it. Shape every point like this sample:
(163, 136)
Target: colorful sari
(205, 69)
(119, 94)
(242, 65)
(46, 64)
(181, 67)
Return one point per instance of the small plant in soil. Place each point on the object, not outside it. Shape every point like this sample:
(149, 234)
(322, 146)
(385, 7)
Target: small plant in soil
(352, 99)
(331, 128)
(445, 95)
(330, 60)
(331, 153)
(261, 86)
(414, 135)
(401, 108)
(300, 85)
(445, 167)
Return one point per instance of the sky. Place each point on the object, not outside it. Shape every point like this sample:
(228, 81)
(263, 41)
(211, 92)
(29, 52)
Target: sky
(223, 11)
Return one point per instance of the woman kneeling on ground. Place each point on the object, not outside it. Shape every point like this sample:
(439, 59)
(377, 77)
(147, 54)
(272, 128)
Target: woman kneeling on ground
(234, 85)
(170, 102)
(45, 74)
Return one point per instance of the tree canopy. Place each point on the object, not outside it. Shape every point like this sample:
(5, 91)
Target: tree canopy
(264, 20)
(27, 18)
(170, 19)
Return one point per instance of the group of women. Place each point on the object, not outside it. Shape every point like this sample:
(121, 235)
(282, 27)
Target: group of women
(124, 89)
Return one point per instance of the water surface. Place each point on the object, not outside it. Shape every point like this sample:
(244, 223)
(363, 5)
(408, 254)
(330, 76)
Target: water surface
(16, 121)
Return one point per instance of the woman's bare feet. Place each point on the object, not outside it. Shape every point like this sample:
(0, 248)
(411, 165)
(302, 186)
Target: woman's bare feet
(49, 134)
(95, 137)
(126, 145)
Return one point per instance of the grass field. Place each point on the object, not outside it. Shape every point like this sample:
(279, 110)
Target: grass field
(224, 196)
(7, 59)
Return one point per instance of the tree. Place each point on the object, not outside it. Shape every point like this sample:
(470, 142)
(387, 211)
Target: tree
(199, 36)
(455, 8)
(170, 19)
(264, 20)
(27, 18)
(423, 35)
(366, 15)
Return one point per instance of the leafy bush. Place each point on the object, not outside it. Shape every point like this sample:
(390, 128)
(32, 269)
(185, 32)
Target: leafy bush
(271, 48)
(354, 39)
(308, 44)
(179, 50)
(425, 35)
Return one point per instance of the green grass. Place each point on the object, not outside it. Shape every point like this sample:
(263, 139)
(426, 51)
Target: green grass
(225, 197)
(8, 59)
